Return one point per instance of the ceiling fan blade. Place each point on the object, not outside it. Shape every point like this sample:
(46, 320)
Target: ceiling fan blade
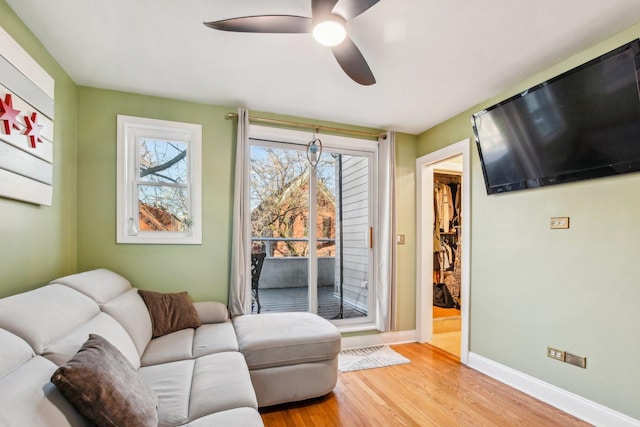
(264, 24)
(349, 9)
(322, 7)
(353, 63)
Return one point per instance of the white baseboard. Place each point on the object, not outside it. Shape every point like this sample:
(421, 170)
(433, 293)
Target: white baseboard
(386, 338)
(571, 403)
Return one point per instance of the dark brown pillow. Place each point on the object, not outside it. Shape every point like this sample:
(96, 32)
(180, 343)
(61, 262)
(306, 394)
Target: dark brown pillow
(170, 312)
(103, 385)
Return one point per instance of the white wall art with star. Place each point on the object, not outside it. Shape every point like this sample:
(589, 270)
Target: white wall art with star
(26, 126)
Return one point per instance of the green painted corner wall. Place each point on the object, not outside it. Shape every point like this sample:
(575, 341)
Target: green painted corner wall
(203, 270)
(406, 224)
(575, 289)
(38, 243)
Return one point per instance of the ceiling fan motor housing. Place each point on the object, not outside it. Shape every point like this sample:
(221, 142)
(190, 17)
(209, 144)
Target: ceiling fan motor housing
(329, 30)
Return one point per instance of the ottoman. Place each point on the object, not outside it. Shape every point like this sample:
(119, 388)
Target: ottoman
(291, 356)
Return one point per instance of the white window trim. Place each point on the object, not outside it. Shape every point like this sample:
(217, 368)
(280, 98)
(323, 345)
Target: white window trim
(337, 144)
(129, 129)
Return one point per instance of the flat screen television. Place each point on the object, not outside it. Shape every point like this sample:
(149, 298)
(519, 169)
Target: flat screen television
(582, 124)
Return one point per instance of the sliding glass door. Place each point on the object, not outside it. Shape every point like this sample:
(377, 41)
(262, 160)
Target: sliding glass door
(314, 224)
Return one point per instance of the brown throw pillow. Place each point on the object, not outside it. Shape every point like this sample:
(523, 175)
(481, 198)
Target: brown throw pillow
(170, 312)
(103, 385)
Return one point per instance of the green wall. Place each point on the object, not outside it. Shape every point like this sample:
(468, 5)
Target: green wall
(406, 224)
(203, 270)
(577, 289)
(39, 243)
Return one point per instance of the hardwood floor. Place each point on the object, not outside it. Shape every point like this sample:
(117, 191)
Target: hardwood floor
(432, 390)
(447, 341)
(439, 312)
(446, 330)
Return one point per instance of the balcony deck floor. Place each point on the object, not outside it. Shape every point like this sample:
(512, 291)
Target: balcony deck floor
(295, 299)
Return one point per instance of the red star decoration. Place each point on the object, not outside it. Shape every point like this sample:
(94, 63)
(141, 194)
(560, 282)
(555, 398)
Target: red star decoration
(8, 114)
(33, 129)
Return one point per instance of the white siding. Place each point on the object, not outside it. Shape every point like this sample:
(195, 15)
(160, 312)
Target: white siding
(355, 226)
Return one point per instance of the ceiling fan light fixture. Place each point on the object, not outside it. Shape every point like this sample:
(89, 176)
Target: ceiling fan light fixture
(327, 23)
(330, 32)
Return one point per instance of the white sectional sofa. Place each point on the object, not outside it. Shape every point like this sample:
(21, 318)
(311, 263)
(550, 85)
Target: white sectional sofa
(215, 375)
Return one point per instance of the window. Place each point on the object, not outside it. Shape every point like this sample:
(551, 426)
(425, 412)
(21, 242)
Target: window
(313, 224)
(159, 180)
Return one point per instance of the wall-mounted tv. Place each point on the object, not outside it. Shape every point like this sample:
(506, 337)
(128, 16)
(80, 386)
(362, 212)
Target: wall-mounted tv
(582, 124)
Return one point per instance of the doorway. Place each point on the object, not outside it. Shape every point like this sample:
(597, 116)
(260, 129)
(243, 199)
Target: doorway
(311, 219)
(436, 263)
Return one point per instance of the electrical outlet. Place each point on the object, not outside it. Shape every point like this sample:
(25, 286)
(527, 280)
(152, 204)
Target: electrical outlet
(556, 354)
(560, 222)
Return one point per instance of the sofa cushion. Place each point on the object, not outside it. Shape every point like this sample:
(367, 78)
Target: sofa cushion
(29, 399)
(104, 325)
(100, 285)
(211, 311)
(102, 385)
(171, 382)
(46, 314)
(214, 338)
(14, 352)
(191, 389)
(278, 339)
(170, 312)
(191, 343)
(169, 348)
(220, 381)
(131, 312)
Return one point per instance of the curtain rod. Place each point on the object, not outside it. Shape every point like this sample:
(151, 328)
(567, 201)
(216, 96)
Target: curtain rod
(309, 126)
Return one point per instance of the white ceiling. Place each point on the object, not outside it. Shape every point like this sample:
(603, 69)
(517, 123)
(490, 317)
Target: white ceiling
(432, 58)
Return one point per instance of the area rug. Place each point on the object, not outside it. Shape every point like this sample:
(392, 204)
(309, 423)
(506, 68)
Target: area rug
(368, 358)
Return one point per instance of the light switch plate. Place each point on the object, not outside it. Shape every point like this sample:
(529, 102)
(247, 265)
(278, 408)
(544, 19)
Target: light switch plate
(559, 222)
(400, 239)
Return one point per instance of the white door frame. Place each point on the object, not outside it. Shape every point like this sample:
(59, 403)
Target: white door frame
(424, 261)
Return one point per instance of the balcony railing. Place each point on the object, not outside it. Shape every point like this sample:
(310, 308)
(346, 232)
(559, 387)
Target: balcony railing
(268, 246)
(283, 284)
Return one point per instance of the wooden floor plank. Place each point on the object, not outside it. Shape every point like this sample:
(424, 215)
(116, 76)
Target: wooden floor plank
(433, 390)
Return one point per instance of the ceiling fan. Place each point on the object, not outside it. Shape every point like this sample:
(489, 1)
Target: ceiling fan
(327, 23)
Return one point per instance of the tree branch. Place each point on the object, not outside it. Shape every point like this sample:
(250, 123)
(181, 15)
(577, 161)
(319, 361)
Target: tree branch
(163, 166)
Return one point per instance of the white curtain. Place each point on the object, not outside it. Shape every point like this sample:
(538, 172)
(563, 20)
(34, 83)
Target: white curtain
(386, 247)
(239, 302)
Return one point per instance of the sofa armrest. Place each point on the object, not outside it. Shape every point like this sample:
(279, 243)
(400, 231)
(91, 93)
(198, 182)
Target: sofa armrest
(211, 311)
